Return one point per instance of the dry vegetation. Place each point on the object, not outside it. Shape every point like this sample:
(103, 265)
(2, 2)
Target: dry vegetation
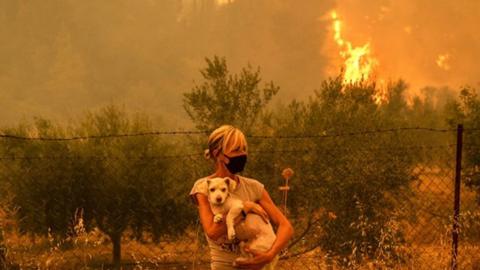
(92, 250)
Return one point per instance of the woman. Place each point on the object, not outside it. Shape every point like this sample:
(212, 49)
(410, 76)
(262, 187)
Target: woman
(227, 147)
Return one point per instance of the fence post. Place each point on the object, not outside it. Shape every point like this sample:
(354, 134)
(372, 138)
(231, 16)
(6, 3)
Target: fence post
(286, 173)
(456, 203)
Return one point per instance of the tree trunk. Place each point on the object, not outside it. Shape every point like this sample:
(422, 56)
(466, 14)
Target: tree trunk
(117, 252)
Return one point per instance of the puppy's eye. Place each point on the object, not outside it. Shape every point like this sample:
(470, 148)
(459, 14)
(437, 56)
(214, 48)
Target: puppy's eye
(212, 190)
(224, 189)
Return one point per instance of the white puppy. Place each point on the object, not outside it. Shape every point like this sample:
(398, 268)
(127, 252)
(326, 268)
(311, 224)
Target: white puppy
(254, 232)
(222, 201)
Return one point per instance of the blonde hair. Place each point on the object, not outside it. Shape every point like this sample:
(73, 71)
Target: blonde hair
(225, 139)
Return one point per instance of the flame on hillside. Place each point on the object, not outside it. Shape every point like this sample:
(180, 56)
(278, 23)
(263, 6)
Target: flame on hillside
(223, 2)
(358, 63)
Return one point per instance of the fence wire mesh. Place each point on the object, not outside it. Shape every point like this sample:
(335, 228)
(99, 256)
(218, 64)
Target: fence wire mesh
(360, 200)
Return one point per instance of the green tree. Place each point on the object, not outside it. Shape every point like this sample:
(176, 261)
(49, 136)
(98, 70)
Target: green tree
(120, 182)
(466, 110)
(40, 181)
(127, 185)
(352, 177)
(223, 98)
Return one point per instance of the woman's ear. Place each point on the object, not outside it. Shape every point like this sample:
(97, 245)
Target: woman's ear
(230, 183)
(215, 153)
(221, 158)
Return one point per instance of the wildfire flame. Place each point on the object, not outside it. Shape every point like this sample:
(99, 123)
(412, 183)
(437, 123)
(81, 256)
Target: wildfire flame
(442, 61)
(358, 63)
(224, 2)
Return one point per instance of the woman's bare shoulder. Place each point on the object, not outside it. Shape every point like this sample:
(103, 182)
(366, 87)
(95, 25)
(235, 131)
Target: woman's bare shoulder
(199, 187)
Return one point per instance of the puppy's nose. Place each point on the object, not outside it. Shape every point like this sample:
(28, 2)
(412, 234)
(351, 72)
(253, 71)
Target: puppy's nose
(219, 199)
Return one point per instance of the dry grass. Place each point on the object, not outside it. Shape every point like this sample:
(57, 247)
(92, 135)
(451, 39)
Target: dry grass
(93, 251)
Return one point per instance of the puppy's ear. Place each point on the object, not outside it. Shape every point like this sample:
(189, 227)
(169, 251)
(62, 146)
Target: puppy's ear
(203, 187)
(230, 183)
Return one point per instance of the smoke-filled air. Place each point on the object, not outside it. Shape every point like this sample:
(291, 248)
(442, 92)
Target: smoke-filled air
(240, 134)
(61, 58)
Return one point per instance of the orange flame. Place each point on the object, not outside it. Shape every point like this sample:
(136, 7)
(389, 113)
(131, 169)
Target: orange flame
(358, 63)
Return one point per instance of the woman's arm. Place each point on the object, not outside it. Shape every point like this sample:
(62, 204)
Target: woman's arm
(285, 229)
(284, 233)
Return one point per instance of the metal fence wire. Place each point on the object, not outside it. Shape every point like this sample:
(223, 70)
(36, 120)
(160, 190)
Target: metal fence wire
(405, 198)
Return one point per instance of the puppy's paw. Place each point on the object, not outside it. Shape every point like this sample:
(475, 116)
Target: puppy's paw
(239, 260)
(231, 234)
(217, 218)
(244, 248)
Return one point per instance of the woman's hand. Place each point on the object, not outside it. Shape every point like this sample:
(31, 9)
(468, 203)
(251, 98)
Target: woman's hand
(259, 260)
(251, 207)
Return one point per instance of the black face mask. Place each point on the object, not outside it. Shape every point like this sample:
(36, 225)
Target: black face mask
(236, 164)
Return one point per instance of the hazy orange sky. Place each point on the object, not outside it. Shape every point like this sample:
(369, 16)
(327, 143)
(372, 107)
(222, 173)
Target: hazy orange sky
(59, 58)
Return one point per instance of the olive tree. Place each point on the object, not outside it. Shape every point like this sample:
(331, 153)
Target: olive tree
(224, 98)
(119, 182)
(466, 110)
(343, 186)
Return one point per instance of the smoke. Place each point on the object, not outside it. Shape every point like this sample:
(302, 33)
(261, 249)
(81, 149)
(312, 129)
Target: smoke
(62, 57)
(59, 58)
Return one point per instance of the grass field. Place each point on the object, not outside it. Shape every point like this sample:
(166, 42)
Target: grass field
(93, 251)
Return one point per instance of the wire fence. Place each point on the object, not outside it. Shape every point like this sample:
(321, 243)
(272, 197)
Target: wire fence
(361, 199)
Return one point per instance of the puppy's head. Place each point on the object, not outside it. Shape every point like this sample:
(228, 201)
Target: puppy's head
(219, 189)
